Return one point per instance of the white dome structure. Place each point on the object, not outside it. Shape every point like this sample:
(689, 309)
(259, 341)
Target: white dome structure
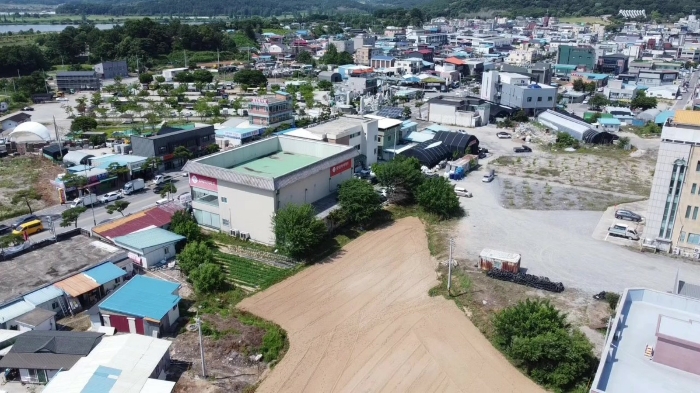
(30, 131)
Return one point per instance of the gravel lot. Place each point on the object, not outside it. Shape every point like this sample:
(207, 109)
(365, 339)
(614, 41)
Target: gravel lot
(559, 244)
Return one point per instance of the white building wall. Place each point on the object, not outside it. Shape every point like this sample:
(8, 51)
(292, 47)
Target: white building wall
(668, 154)
(308, 190)
(152, 257)
(173, 315)
(369, 144)
(49, 324)
(489, 81)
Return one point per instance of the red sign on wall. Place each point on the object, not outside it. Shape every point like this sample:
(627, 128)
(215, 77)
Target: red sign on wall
(340, 168)
(204, 182)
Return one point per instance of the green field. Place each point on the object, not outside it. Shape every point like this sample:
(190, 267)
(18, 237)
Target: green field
(250, 273)
(585, 19)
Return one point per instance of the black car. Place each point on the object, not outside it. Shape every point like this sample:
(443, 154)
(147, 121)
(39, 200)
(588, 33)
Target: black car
(157, 189)
(25, 219)
(5, 229)
(522, 149)
(628, 215)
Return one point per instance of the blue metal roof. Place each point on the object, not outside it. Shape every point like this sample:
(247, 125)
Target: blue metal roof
(149, 238)
(143, 297)
(43, 295)
(662, 117)
(14, 310)
(105, 273)
(609, 121)
(102, 380)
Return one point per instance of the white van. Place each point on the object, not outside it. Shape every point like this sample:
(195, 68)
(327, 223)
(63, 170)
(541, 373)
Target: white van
(462, 192)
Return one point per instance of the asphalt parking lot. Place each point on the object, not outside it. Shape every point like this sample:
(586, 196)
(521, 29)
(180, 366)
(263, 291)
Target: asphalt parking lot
(559, 244)
(608, 219)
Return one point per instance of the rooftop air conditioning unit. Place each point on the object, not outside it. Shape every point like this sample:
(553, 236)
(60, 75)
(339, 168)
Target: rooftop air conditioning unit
(242, 236)
(234, 232)
(245, 236)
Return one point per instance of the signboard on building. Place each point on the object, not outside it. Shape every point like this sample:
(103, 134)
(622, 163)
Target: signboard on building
(204, 182)
(340, 168)
(258, 100)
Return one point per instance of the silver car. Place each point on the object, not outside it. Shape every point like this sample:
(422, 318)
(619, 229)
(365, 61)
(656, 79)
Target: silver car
(109, 197)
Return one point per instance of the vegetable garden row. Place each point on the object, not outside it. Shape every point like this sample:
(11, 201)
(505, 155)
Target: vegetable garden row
(250, 273)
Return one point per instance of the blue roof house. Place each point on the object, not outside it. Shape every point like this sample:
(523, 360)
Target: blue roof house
(150, 246)
(143, 305)
(610, 124)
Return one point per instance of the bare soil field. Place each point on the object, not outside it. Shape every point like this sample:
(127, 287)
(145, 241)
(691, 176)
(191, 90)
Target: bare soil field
(364, 322)
(602, 169)
(18, 173)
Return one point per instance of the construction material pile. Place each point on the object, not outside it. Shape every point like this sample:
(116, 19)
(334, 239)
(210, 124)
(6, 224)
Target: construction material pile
(529, 280)
(530, 133)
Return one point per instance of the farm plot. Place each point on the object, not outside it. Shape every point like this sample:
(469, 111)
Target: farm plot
(250, 273)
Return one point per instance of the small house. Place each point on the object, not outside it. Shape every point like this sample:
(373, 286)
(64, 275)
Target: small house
(9, 122)
(143, 305)
(149, 247)
(37, 319)
(609, 124)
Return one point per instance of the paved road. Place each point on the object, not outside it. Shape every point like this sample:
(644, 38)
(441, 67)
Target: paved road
(690, 95)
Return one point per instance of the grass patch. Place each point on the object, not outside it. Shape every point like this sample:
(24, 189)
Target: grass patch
(220, 237)
(250, 273)
(585, 19)
(242, 40)
(276, 31)
(504, 161)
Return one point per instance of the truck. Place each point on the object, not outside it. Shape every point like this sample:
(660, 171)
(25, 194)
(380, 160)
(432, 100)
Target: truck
(623, 230)
(85, 200)
(494, 259)
(133, 186)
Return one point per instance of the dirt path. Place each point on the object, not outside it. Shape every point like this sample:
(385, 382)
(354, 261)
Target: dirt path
(365, 322)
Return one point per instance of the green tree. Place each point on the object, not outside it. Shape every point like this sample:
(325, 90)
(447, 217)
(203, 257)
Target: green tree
(11, 240)
(96, 99)
(407, 112)
(521, 117)
(160, 79)
(213, 148)
(359, 201)
(579, 85)
(71, 216)
(324, 85)
(436, 195)
(189, 229)
(202, 76)
(71, 180)
(401, 176)
(83, 124)
(297, 230)
(331, 55)
(202, 108)
(207, 278)
(252, 78)
(566, 140)
(529, 318)
(26, 196)
(168, 188)
(183, 154)
(304, 57)
(641, 101)
(118, 171)
(598, 101)
(152, 164)
(146, 78)
(117, 206)
(81, 105)
(193, 256)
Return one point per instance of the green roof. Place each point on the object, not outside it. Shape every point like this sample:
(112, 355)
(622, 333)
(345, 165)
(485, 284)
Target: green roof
(275, 165)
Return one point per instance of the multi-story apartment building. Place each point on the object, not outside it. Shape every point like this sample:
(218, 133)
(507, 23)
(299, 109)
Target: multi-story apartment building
(363, 55)
(577, 55)
(613, 64)
(343, 45)
(168, 139)
(517, 91)
(689, 53)
(673, 220)
(77, 80)
(361, 40)
(271, 111)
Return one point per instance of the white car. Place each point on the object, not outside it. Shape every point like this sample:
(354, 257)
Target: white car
(110, 197)
(503, 135)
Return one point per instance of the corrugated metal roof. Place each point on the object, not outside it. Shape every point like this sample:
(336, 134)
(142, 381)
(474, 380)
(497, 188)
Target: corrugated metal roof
(77, 285)
(689, 290)
(41, 361)
(43, 295)
(14, 310)
(148, 238)
(104, 273)
(157, 217)
(688, 118)
(143, 297)
(609, 121)
(36, 317)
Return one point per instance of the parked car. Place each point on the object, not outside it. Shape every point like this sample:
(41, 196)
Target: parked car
(622, 230)
(27, 108)
(25, 219)
(628, 215)
(522, 149)
(460, 191)
(5, 229)
(503, 135)
(110, 197)
(488, 178)
(29, 228)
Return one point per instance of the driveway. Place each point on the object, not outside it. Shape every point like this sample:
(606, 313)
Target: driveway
(559, 244)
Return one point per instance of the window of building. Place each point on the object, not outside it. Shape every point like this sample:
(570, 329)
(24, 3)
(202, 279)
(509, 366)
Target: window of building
(529, 99)
(54, 305)
(205, 196)
(224, 200)
(225, 222)
(693, 238)
(206, 218)
(697, 167)
(117, 280)
(681, 237)
(539, 98)
(162, 150)
(357, 147)
(687, 211)
(549, 98)
(166, 250)
(693, 188)
(695, 213)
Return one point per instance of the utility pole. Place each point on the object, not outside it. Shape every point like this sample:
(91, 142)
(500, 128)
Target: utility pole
(201, 346)
(60, 148)
(92, 204)
(449, 267)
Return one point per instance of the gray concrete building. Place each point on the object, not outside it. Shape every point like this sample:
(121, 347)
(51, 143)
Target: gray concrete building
(163, 144)
(517, 91)
(77, 80)
(110, 69)
(343, 45)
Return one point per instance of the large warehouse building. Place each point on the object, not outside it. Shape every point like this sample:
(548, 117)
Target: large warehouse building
(239, 190)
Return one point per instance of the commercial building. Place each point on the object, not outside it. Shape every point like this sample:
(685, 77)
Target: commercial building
(379, 62)
(124, 363)
(613, 64)
(617, 90)
(577, 56)
(143, 305)
(653, 345)
(111, 69)
(453, 112)
(164, 143)
(77, 80)
(538, 72)
(673, 221)
(657, 77)
(239, 190)
(271, 111)
(516, 91)
(363, 83)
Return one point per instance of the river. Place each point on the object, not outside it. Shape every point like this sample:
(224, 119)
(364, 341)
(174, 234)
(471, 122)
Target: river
(46, 28)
